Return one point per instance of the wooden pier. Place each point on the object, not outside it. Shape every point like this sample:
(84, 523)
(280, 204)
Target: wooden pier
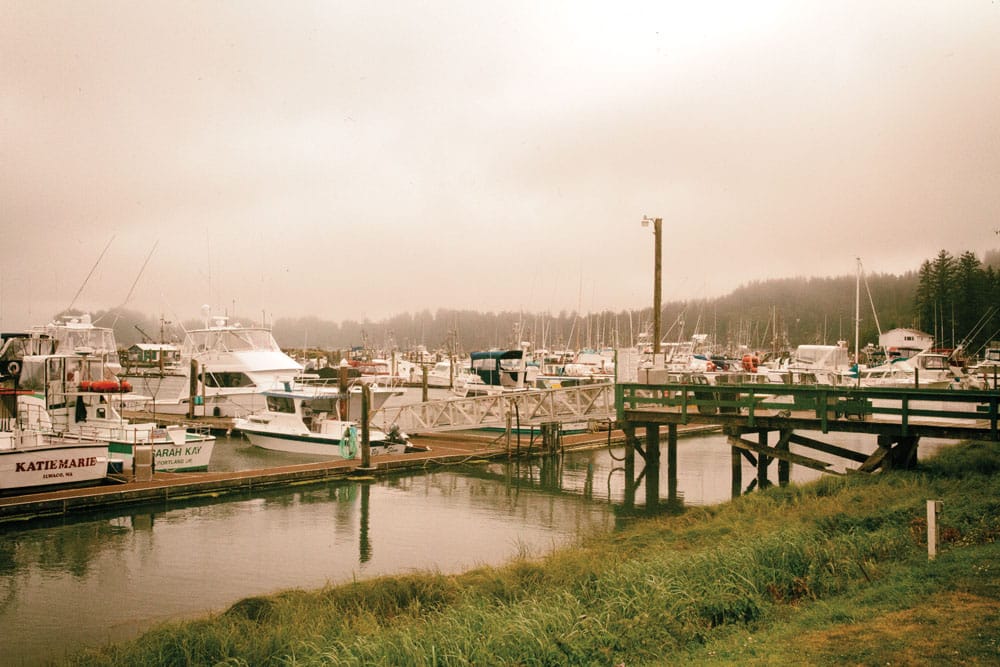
(897, 418)
(166, 487)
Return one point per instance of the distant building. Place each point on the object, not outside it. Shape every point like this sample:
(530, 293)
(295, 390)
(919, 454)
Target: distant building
(149, 354)
(905, 342)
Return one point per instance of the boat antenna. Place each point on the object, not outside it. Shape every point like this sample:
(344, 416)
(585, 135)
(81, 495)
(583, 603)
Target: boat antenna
(92, 269)
(135, 282)
(128, 296)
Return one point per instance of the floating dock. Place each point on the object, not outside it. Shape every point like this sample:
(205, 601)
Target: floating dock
(445, 449)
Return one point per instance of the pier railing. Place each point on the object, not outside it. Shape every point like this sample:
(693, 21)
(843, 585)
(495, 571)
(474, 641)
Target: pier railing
(584, 403)
(827, 406)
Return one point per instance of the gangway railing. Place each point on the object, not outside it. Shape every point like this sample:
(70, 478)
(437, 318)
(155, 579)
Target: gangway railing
(975, 412)
(583, 403)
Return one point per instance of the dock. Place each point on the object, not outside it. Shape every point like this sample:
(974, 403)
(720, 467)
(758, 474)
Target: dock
(895, 418)
(165, 487)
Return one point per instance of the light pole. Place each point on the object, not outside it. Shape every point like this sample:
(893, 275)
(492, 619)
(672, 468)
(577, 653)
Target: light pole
(657, 253)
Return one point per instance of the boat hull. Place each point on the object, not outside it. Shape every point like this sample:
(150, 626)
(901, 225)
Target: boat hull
(192, 454)
(316, 445)
(57, 465)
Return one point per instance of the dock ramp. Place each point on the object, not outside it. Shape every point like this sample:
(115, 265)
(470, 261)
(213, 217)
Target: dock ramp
(570, 405)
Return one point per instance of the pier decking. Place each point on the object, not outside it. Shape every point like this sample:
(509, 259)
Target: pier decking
(446, 449)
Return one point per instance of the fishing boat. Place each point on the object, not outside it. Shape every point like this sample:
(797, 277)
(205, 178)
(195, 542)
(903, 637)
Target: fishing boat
(926, 370)
(73, 391)
(231, 365)
(31, 460)
(307, 419)
(501, 371)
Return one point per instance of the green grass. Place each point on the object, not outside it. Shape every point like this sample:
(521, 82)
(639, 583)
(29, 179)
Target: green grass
(835, 572)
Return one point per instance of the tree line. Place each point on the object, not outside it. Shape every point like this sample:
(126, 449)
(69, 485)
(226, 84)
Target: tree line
(952, 298)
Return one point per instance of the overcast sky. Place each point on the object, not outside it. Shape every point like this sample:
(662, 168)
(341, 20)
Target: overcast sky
(356, 160)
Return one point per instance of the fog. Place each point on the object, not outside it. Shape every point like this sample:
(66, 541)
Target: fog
(358, 160)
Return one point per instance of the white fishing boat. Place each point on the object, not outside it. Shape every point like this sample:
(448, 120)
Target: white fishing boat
(307, 419)
(31, 460)
(501, 371)
(74, 392)
(233, 365)
(926, 370)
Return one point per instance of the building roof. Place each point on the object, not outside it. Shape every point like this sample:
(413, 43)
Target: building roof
(152, 347)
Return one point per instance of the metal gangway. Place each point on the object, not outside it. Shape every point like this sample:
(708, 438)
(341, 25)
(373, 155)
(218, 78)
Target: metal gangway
(587, 404)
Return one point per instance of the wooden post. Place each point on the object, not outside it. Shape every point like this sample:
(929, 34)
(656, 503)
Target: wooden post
(736, 459)
(657, 280)
(672, 462)
(192, 387)
(652, 466)
(629, 429)
(366, 447)
(423, 383)
(763, 461)
(345, 399)
(933, 540)
(508, 429)
(784, 467)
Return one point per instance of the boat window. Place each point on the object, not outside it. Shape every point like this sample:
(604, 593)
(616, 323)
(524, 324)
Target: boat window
(31, 375)
(281, 404)
(321, 405)
(511, 365)
(231, 340)
(228, 380)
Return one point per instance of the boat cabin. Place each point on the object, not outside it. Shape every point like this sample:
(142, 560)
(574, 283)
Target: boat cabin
(502, 368)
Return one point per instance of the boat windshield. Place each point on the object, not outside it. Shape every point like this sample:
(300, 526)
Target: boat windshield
(230, 339)
(935, 362)
(281, 404)
(73, 337)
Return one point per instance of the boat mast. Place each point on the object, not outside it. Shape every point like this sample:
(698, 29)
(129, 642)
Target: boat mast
(857, 319)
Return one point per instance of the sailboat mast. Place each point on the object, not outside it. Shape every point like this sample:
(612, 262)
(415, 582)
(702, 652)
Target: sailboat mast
(857, 316)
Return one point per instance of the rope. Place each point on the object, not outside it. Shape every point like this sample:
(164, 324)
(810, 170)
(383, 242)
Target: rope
(610, 452)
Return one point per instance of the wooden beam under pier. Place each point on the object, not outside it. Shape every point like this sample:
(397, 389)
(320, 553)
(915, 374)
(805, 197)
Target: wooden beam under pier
(775, 453)
(827, 448)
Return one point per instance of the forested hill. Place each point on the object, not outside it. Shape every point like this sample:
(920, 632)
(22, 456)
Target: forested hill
(951, 297)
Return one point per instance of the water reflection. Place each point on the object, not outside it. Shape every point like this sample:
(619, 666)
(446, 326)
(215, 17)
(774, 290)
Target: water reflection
(129, 571)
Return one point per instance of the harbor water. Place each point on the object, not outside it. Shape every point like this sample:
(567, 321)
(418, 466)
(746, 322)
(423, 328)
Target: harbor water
(86, 581)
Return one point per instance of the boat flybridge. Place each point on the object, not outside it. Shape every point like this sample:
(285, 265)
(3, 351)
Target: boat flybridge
(232, 366)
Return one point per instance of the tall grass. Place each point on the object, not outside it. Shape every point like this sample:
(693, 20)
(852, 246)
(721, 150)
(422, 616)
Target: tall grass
(665, 586)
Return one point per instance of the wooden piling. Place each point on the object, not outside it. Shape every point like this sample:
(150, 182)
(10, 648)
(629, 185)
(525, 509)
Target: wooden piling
(736, 460)
(672, 462)
(652, 468)
(366, 447)
(763, 460)
(629, 429)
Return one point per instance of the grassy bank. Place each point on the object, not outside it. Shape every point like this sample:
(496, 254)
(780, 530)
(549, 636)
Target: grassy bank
(831, 573)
